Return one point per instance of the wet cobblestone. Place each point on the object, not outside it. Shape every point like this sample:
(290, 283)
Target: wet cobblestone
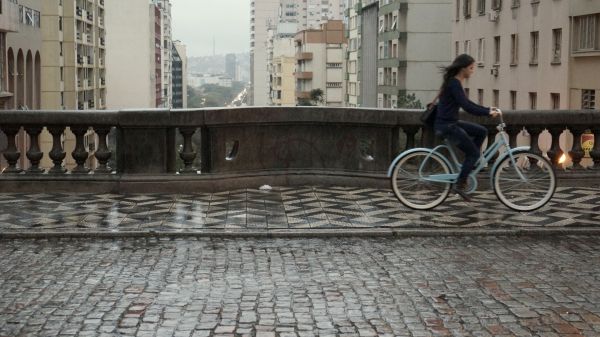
(302, 287)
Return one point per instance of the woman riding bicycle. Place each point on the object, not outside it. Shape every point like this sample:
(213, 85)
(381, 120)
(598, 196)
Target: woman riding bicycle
(468, 137)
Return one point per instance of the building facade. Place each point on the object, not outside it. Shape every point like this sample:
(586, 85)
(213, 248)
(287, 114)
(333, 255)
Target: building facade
(263, 13)
(179, 75)
(266, 14)
(231, 66)
(281, 61)
(530, 54)
(131, 54)
(411, 50)
(320, 63)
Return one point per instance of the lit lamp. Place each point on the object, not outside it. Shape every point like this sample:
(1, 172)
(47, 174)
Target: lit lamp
(562, 161)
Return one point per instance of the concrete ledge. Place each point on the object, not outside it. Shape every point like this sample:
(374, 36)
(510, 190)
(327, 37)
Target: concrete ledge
(210, 183)
(310, 233)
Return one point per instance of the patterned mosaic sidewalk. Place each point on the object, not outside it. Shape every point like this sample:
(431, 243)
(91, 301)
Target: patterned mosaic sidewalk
(281, 209)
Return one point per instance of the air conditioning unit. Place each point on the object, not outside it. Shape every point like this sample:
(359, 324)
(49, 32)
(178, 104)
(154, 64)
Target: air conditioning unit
(493, 15)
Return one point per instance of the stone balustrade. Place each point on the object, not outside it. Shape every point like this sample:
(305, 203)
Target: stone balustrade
(248, 147)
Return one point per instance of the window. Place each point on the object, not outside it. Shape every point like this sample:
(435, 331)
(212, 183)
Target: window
(514, 49)
(586, 32)
(60, 23)
(532, 100)
(588, 99)
(497, 5)
(535, 40)
(481, 51)
(481, 7)
(456, 48)
(467, 92)
(394, 22)
(515, 3)
(496, 102)
(457, 10)
(497, 50)
(468, 47)
(467, 8)
(555, 98)
(556, 45)
(513, 100)
(480, 96)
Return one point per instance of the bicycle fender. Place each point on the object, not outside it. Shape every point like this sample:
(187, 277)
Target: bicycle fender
(407, 152)
(501, 158)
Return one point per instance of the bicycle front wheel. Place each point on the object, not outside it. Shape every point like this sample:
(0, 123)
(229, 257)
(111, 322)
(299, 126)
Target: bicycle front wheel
(412, 188)
(526, 186)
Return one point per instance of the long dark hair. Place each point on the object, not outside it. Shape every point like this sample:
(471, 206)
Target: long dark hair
(459, 63)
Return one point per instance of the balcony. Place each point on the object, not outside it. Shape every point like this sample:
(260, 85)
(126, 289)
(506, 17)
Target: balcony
(9, 17)
(303, 94)
(243, 147)
(304, 75)
(304, 56)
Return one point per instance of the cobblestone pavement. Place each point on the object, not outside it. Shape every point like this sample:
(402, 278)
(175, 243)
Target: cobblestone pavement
(284, 208)
(195, 287)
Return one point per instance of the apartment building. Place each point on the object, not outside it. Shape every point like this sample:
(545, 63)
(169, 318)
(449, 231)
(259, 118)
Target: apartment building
(9, 22)
(281, 59)
(361, 19)
(134, 55)
(263, 13)
(393, 54)
(584, 83)
(411, 50)
(20, 63)
(320, 63)
(179, 75)
(167, 57)
(307, 14)
(231, 66)
(530, 54)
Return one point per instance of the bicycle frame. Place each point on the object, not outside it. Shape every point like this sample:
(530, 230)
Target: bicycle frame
(487, 156)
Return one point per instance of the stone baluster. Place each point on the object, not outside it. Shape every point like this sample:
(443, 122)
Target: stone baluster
(79, 154)
(410, 132)
(34, 154)
(576, 152)
(57, 154)
(102, 153)
(595, 153)
(11, 154)
(555, 152)
(188, 154)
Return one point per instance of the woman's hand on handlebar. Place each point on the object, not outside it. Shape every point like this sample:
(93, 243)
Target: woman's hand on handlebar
(495, 112)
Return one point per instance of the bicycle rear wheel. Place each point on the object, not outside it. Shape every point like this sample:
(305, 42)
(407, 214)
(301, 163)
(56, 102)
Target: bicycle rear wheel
(411, 188)
(526, 194)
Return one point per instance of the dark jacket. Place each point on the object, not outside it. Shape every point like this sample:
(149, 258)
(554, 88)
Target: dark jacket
(452, 98)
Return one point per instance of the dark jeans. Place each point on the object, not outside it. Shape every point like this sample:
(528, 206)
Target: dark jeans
(468, 137)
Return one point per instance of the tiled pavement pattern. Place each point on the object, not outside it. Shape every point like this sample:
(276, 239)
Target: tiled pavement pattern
(282, 208)
(486, 286)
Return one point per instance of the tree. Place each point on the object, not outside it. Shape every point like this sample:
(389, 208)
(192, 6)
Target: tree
(409, 101)
(316, 98)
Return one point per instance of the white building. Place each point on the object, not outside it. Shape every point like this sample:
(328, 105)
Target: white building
(531, 54)
(309, 14)
(137, 72)
(320, 63)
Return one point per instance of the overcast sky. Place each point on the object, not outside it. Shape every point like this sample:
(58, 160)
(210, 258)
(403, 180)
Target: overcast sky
(196, 22)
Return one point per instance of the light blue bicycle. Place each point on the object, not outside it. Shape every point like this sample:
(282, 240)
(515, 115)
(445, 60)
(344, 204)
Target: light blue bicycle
(523, 181)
